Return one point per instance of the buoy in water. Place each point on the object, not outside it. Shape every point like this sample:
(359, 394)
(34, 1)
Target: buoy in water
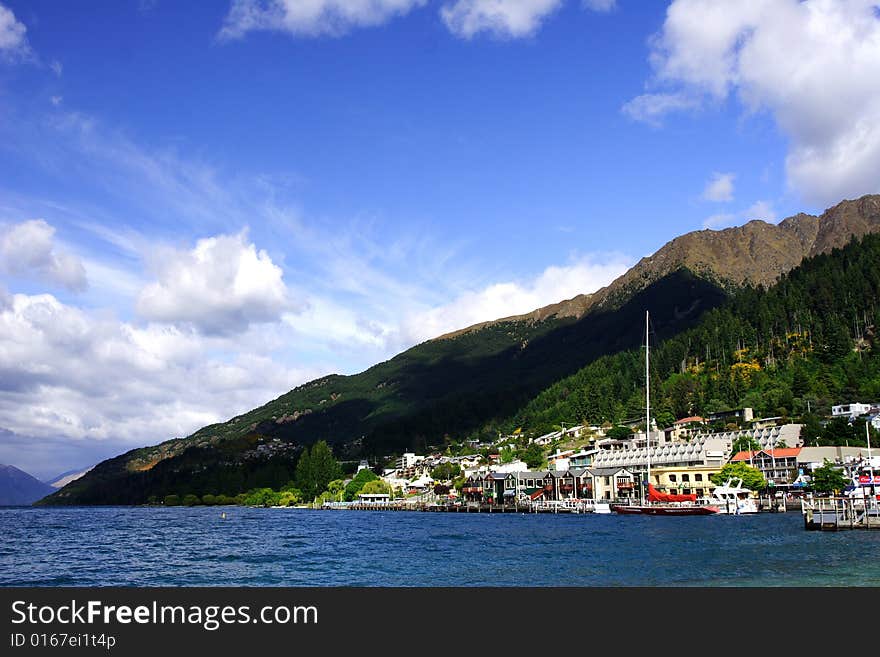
(223, 515)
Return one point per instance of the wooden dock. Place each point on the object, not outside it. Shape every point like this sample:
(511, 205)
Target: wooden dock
(453, 508)
(840, 513)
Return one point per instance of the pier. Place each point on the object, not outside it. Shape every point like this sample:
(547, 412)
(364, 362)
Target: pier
(840, 513)
(472, 507)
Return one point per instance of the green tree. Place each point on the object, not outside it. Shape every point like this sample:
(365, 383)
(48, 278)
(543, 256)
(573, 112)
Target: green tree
(353, 487)
(264, 497)
(305, 476)
(533, 456)
(191, 500)
(447, 471)
(290, 497)
(827, 478)
(751, 477)
(376, 486)
(324, 466)
(618, 432)
(208, 499)
(664, 419)
(172, 500)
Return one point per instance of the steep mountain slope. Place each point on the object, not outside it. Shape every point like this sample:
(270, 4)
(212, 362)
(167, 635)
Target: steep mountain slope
(468, 380)
(18, 488)
(61, 480)
(805, 344)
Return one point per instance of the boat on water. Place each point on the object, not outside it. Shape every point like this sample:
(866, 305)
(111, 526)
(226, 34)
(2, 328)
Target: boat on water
(733, 499)
(659, 503)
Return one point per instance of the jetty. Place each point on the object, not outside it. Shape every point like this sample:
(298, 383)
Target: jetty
(841, 513)
(472, 507)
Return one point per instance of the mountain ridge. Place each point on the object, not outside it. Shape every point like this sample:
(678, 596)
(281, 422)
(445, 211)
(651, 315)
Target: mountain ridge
(764, 243)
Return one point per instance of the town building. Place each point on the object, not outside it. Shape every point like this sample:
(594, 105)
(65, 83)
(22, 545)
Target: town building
(852, 410)
(614, 483)
(740, 416)
(685, 428)
(778, 465)
(685, 480)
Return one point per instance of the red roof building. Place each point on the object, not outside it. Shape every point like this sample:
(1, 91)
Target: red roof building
(778, 465)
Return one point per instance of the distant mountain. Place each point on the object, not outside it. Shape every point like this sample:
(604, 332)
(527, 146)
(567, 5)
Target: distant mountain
(466, 381)
(18, 488)
(65, 478)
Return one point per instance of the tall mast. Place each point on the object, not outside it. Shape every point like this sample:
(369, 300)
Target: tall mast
(647, 403)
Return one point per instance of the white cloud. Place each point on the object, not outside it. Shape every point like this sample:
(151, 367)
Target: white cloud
(220, 287)
(310, 17)
(28, 249)
(554, 284)
(813, 65)
(86, 377)
(720, 220)
(56, 67)
(503, 18)
(651, 108)
(13, 42)
(56, 100)
(600, 5)
(719, 188)
(762, 210)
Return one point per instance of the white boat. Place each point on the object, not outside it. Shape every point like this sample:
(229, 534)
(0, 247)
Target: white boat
(732, 498)
(601, 507)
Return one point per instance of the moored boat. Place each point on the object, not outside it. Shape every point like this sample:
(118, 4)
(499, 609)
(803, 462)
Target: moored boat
(732, 498)
(657, 503)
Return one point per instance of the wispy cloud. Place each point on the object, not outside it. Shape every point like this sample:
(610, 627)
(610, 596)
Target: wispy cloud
(600, 5)
(466, 18)
(309, 19)
(13, 36)
(719, 188)
(650, 108)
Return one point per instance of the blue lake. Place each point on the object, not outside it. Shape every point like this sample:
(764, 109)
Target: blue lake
(122, 546)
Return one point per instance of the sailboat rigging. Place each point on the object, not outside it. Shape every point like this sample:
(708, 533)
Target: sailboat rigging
(658, 503)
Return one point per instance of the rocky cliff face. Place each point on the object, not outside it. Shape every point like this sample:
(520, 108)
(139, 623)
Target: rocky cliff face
(756, 253)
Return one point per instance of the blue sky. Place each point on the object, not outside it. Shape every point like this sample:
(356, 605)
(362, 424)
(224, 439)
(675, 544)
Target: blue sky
(203, 205)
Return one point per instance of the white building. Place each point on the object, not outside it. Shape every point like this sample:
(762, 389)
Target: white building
(850, 410)
(408, 460)
(513, 466)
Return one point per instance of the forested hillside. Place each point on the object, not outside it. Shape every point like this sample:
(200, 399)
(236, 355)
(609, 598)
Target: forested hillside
(796, 348)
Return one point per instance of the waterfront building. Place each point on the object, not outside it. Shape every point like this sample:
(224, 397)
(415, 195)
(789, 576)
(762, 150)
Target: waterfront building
(685, 480)
(614, 483)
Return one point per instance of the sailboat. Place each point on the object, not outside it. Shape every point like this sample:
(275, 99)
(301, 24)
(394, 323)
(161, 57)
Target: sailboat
(658, 503)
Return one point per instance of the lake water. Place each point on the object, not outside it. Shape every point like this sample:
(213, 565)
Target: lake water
(116, 546)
